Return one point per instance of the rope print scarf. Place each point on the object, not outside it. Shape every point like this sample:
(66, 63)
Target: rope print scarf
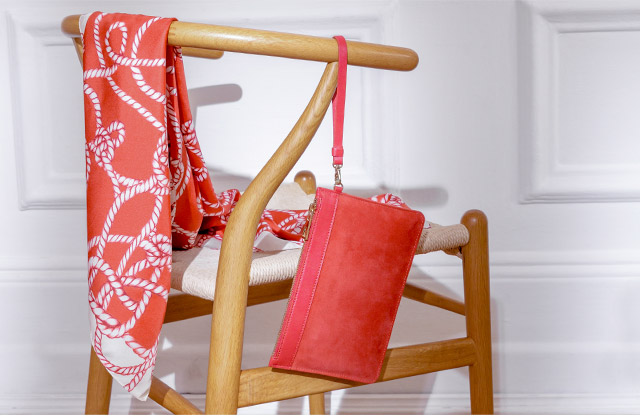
(148, 190)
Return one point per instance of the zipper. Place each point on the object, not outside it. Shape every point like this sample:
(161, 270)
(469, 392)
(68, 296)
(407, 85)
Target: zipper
(307, 226)
(305, 237)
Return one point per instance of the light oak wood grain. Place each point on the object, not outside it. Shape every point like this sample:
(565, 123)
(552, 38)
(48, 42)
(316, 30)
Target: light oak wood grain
(307, 181)
(98, 387)
(187, 51)
(170, 399)
(285, 45)
(475, 265)
(262, 385)
(431, 298)
(316, 404)
(181, 306)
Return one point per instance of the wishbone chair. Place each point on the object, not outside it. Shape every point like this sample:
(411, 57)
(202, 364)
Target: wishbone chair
(228, 386)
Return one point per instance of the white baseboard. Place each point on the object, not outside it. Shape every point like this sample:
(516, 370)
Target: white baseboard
(344, 403)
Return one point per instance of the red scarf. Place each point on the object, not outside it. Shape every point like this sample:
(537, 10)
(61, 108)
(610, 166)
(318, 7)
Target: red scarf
(148, 189)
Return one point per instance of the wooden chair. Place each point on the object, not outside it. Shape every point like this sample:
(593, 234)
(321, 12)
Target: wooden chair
(229, 387)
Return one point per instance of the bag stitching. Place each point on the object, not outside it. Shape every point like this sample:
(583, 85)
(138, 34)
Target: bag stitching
(315, 285)
(298, 280)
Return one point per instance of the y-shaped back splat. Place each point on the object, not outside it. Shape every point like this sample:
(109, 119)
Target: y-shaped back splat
(232, 281)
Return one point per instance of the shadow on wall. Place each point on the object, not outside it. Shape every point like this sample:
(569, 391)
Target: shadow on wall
(425, 197)
(212, 94)
(421, 198)
(227, 93)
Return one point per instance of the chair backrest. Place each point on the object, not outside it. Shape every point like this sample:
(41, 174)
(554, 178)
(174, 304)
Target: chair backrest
(210, 41)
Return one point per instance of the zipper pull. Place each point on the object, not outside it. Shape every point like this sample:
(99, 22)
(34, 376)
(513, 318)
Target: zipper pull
(307, 226)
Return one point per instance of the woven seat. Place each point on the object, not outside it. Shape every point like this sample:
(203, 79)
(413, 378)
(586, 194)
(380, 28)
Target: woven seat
(194, 271)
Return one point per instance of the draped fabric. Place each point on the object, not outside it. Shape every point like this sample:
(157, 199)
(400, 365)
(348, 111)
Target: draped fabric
(148, 190)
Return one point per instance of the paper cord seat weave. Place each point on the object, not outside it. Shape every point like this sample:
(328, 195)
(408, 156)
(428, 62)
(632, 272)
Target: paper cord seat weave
(194, 271)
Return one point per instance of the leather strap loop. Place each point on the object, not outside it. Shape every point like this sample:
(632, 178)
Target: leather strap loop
(337, 103)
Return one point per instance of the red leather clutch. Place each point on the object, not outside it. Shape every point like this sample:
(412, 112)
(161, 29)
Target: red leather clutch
(349, 283)
(352, 271)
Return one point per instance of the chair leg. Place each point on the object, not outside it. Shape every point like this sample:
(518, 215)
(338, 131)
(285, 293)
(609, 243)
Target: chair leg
(227, 330)
(98, 387)
(225, 358)
(477, 310)
(316, 404)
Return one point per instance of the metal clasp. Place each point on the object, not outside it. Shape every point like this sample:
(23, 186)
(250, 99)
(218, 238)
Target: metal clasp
(307, 226)
(338, 177)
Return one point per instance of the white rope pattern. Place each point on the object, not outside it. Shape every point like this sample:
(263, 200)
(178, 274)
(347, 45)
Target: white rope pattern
(103, 149)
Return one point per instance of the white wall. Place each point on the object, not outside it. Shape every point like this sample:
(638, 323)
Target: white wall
(525, 109)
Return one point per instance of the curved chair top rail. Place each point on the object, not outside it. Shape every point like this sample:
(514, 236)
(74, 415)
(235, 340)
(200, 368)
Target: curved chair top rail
(285, 45)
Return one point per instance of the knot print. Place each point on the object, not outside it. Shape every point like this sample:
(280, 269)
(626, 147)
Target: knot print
(106, 141)
(158, 248)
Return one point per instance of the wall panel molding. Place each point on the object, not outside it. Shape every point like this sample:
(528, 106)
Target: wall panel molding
(348, 403)
(544, 177)
(504, 265)
(34, 38)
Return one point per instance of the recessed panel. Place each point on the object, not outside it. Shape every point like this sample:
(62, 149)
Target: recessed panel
(598, 98)
(244, 106)
(63, 110)
(579, 93)
(46, 98)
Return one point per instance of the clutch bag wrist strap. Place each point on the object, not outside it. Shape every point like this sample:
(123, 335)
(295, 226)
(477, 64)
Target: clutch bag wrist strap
(337, 104)
(338, 324)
